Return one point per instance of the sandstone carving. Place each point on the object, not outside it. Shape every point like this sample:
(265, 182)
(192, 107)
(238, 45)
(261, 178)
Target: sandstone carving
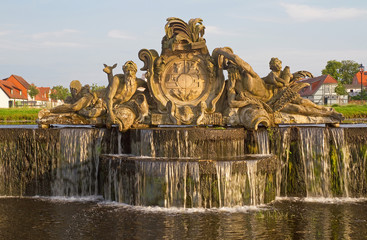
(185, 85)
(253, 100)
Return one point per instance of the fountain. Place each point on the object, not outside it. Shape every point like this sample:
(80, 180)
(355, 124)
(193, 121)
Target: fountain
(185, 137)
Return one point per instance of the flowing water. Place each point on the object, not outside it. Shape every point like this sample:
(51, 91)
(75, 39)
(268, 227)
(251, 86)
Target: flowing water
(320, 182)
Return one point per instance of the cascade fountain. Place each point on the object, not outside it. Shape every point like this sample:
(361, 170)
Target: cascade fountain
(186, 137)
(304, 162)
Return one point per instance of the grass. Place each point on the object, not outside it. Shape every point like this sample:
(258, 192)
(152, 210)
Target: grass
(31, 114)
(19, 114)
(352, 111)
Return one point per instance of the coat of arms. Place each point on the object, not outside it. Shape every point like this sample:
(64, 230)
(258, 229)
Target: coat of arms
(183, 78)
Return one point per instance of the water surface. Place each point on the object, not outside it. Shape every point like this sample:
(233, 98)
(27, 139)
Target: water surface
(73, 218)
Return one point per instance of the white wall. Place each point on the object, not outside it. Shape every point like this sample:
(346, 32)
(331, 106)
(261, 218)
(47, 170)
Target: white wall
(328, 90)
(4, 99)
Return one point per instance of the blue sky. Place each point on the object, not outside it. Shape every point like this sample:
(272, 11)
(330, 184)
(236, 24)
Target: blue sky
(52, 42)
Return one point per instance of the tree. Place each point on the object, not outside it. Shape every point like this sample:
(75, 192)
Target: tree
(332, 68)
(343, 71)
(95, 87)
(340, 90)
(59, 93)
(361, 96)
(348, 70)
(33, 91)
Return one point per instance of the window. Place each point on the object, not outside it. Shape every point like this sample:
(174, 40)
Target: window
(327, 88)
(20, 93)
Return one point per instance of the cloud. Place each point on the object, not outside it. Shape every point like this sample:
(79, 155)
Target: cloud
(308, 13)
(62, 38)
(119, 34)
(4, 33)
(14, 45)
(56, 34)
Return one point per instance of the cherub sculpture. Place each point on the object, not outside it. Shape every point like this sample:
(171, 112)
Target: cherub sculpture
(262, 97)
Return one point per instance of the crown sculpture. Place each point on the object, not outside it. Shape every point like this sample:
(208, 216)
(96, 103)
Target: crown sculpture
(185, 85)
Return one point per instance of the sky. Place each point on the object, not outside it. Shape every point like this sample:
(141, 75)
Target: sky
(52, 42)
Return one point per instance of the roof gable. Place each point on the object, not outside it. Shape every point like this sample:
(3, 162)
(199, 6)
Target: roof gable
(315, 84)
(22, 81)
(12, 91)
(43, 94)
(330, 79)
(357, 78)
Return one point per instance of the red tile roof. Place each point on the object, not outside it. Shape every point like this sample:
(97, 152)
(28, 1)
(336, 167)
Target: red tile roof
(316, 83)
(43, 94)
(12, 91)
(357, 78)
(22, 81)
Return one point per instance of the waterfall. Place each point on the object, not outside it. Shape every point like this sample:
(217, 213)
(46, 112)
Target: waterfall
(340, 162)
(184, 184)
(154, 183)
(185, 167)
(325, 164)
(252, 174)
(76, 168)
(283, 160)
(262, 141)
(314, 154)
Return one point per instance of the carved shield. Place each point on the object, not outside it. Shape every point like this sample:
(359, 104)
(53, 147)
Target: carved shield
(184, 81)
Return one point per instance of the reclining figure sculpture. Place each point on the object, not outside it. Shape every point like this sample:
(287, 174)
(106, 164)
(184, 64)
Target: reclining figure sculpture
(252, 100)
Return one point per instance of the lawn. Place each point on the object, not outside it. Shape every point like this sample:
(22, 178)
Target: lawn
(18, 114)
(31, 114)
(352, 111)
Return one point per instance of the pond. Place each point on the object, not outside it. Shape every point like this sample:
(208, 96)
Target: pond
(92, 218)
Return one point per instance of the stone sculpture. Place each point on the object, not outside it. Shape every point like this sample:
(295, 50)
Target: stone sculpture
(183, 79)
(121, 97)
(185, 85)
(253, 100)
(82, 107)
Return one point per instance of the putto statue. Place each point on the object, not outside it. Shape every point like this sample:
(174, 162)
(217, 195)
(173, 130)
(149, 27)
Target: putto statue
(185, 85)
(271, 100)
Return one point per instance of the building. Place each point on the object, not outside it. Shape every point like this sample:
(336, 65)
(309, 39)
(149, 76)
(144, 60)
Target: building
(355, 88)
(20, 83)
(11, 95)
(43, 96)
(322, 91)
(14, 93)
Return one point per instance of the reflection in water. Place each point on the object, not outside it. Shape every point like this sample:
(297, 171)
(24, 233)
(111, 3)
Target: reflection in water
(42, 218)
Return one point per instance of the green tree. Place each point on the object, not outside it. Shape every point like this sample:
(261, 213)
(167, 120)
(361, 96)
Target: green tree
(340, 89)
(332, 68)
(360, 96)
(343, 71)
(59, 93)
(33, 91)
(95, 87)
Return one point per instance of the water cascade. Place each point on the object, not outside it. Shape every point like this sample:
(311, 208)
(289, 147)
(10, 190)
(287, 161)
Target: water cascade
(182, 167)
(188, 167)
(46, 162)
(204, 183)
(76, 170)
(321, 162)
